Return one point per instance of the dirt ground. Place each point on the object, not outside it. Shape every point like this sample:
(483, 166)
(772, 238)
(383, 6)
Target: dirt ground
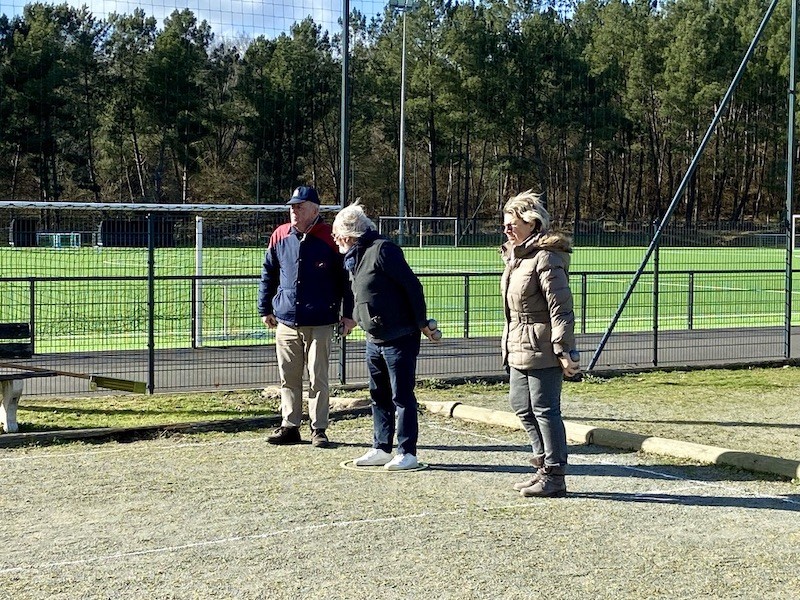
(226, 515)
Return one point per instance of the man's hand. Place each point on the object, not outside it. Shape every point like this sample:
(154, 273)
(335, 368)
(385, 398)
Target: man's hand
(569, 367)
(269, 321)
(433, 335)
(346, 326)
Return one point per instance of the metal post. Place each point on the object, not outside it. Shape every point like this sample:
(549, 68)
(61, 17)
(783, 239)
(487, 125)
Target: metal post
(655, 300)
(787, 328)
(584, 300)
(466, 306)
(344, 151)
(32, 311)
(344, 143)
(151, 303)
(404, 6)
(198, 282)
(401, 211)
(193, 312)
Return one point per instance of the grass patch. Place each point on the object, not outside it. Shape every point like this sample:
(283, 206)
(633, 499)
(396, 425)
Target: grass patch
(50, 414)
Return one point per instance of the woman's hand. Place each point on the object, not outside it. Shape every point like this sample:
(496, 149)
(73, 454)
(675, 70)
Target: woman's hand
(569, 366)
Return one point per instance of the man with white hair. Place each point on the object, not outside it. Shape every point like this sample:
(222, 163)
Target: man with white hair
(390, 308)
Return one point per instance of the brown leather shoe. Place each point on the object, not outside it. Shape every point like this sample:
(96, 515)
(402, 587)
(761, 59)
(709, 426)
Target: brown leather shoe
(538, 462)
(550, 485)
(285, 436)
(533, 478)
(319, 439)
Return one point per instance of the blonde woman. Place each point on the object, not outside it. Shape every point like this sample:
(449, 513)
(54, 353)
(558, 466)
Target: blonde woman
(538, 343)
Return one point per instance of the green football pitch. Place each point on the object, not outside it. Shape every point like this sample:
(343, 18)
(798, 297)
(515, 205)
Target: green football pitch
(85, 299)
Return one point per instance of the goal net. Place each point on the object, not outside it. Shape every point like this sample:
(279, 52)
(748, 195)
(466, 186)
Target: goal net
(420, 231)
(58, 240)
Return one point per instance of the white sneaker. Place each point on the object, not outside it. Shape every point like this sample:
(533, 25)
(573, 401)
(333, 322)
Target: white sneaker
(402, 461)
(373, 458)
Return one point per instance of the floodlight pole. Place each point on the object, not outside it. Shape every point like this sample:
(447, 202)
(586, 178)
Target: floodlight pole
(789, 225)
(344, 160)
(402, 201)
(684, 182)
(404, 6)
(344, 148)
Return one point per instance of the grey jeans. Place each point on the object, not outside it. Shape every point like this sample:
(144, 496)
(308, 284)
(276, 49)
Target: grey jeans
(535, 397)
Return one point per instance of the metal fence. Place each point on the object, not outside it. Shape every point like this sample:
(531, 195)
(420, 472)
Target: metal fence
(170, 298)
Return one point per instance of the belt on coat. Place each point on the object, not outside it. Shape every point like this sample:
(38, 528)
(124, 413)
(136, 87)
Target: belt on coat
(530, 319)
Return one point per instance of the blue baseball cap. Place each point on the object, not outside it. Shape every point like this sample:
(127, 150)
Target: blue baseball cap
(304, 194)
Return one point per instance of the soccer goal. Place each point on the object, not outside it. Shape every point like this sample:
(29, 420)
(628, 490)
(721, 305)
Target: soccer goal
(421, 231)
(48, 239)
(795, 232)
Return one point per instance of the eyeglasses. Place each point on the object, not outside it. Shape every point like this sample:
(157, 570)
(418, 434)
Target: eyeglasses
(510, 226)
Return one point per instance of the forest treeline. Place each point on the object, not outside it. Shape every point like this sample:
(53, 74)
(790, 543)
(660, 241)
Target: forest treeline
(600, 108)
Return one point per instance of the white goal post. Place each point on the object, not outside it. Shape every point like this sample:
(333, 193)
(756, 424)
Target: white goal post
(73, 240)
(421, 231)
(795, 221)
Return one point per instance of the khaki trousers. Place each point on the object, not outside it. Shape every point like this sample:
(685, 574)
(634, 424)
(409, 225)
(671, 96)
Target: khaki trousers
(298, 348)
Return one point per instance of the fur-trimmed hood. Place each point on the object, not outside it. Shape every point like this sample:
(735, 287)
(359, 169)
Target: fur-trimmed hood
(553, 242)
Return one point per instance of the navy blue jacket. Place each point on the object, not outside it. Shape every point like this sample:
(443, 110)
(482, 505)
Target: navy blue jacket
(303, 280)
(390, 301)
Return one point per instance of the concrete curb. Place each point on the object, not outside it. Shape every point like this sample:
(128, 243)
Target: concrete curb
(589, 435)
(576, 433)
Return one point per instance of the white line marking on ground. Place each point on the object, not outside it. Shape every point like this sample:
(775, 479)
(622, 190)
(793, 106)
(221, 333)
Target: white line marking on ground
(245, 538)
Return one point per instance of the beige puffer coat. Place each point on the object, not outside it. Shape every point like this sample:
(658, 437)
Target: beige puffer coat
(539, 317)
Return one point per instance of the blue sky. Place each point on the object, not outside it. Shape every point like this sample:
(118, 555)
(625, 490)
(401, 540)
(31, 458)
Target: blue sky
(228, 18)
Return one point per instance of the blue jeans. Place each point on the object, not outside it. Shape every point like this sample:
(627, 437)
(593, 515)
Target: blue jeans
(535, 397)
(392, 376)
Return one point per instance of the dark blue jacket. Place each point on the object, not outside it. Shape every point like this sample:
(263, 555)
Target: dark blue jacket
(390, 301)
(303, 280)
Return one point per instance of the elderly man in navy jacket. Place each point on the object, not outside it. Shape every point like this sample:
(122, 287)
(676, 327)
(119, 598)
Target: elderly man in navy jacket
(304, 292)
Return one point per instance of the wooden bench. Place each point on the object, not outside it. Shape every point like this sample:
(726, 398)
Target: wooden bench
(15, 342)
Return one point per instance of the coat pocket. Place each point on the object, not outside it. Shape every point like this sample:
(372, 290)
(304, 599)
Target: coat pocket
(367, 318)
(538, 336)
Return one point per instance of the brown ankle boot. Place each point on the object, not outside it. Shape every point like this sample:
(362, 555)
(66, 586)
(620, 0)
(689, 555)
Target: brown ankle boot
(550, 485)
(538, 462)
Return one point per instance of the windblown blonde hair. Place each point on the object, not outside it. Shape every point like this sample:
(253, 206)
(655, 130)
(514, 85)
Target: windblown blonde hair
(529, 207)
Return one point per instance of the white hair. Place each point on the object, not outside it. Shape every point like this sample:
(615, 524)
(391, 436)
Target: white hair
(352, 222)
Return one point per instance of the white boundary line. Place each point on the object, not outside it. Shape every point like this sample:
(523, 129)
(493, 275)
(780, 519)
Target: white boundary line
(228, 540)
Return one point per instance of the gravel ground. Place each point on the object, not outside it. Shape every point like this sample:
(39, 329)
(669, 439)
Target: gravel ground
(229, 516)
